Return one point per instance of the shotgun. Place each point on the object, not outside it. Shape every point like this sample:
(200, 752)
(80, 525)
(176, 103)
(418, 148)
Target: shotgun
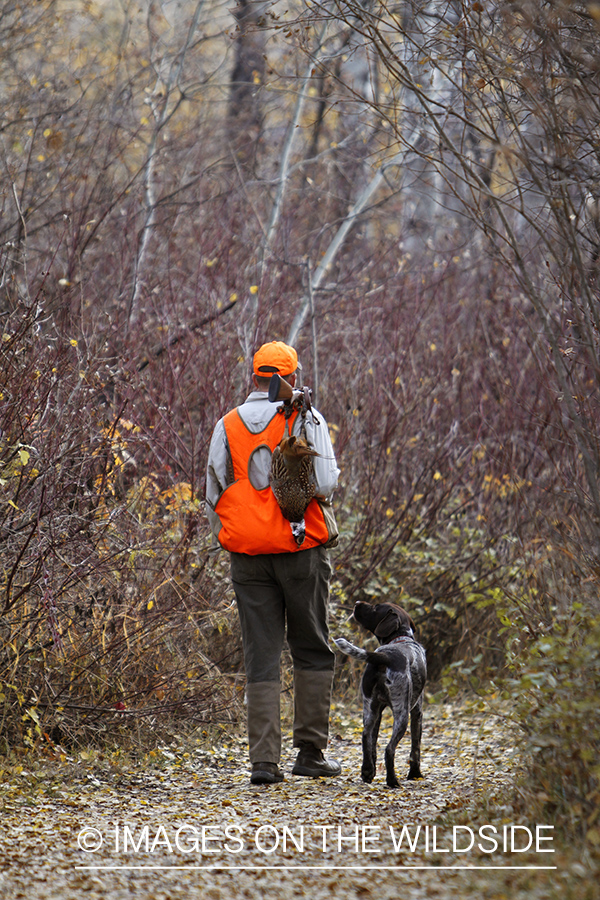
(279, 389)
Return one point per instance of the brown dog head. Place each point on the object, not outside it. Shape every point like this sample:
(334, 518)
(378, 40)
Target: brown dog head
(386, 620)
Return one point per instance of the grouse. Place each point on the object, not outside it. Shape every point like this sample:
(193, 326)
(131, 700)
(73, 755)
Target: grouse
(291, 481)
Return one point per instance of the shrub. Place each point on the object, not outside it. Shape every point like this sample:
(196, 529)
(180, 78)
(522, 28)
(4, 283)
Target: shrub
(104, 610)
(554, 690)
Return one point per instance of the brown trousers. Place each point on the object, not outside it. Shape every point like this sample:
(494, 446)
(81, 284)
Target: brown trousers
(279, 593)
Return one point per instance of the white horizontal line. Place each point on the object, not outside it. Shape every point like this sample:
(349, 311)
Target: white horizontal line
(314, 868)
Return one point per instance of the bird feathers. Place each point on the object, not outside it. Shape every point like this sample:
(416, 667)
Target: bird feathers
(291, 480)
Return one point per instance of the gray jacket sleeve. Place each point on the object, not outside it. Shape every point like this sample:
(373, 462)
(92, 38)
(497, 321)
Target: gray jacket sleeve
(326, 472)
(216, 473)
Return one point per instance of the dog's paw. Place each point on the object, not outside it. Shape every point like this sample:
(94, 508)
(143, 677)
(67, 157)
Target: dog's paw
(367, 775)
(414, 774)
(392, 782)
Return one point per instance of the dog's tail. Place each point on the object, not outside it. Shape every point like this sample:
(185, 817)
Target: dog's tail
(379, 658)
(350, 649)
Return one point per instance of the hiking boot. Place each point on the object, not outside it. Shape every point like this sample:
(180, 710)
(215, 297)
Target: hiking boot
(311, 762)
(266, 773)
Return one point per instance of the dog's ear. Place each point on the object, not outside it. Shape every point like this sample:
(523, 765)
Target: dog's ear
(389, 625)
(394, 620)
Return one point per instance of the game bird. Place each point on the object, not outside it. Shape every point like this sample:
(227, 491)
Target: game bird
(291, 481)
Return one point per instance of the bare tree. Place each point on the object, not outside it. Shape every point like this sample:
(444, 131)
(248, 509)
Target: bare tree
(247, 78)
(495, 110)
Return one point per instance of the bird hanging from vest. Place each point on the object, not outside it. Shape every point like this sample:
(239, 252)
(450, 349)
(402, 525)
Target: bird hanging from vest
(291, 481)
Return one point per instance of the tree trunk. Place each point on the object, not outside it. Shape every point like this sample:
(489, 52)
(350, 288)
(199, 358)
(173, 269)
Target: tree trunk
(247, 76)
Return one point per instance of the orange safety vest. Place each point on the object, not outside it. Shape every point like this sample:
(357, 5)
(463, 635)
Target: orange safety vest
(251, 520)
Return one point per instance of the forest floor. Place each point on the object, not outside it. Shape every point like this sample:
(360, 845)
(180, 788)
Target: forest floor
(183, 821)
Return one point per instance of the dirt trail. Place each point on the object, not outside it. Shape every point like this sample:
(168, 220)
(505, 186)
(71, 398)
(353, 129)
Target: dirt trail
(186, 823)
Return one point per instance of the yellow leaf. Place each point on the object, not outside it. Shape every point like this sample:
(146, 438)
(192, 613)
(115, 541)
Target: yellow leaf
(594, 11)
(254, 289)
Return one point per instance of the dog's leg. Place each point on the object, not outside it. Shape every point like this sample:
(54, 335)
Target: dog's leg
(372, 712)
(416, 724)
(400, 726)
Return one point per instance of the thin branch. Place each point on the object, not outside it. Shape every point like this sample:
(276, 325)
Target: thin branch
(334, 247)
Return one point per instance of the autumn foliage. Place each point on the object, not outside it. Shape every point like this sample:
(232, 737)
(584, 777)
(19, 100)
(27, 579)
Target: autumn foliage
(152, 236)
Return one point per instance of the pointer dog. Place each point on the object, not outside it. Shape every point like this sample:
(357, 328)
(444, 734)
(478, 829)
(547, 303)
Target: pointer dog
(395, 676)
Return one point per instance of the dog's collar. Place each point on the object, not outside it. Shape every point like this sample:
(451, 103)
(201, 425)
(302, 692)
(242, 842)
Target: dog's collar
(402, 637)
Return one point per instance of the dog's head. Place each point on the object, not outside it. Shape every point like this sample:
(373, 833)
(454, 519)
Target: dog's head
(386, 620)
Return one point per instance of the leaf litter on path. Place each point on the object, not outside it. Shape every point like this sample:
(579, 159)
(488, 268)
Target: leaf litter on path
(184, 822)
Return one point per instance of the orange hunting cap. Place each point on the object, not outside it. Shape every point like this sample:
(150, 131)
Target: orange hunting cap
(275, 357)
